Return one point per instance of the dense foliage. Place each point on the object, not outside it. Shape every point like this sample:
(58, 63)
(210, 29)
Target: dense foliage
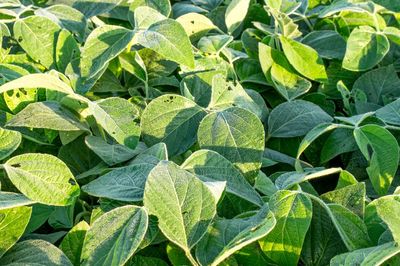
(201, 132)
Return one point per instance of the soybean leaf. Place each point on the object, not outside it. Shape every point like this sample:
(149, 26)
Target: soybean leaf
(12, 226)
(381, 150)
(293, 212)
(42, 178)
(304, 59)
(117, 117)
(365, 49)
(236, 134)
(38, 252)
(211, 166)
(183, 205)
(11, 200)
(296, 118)
(235, 14)
(114, 237)
(72, 243)
(169, 39)
(176, 126)
(37, 36)
(10, 140)
(226, 236)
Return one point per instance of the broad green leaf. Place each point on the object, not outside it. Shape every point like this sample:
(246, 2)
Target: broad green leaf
(37, 36)
(114, 237)
(66, 17)
(292, 211)
(48, 115)
(296, 118)
(42, 178)
(10, 141)
(226, 94)
(350, 227)
(210, 166)
(123, 184)
(196, 25)
(236, 13)
(72, 243)
(169, 39)
(236, 134)
(276, 67)
(66, 50)
(37, 81)
(226, 236)
(381, 150)
(339, 141)
(111, 154)
(214, 44)
(35, 252)
(183, 205)
(92, 8)
(392, 5)
(171, 119)
(390, 113)
(352, 197)
(117, 117)
(379, 84)
(387, 209)
(144, 17)
(365, 49)
(328, 43)
(323, 241)
(392, 34)
(12, 226)
(162, 6)
(133, 63)
(102, 45)
(11, 200)
(304, 59)
(368, 256)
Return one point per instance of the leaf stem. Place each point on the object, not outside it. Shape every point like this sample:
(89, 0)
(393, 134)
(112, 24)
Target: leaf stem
(191, 259)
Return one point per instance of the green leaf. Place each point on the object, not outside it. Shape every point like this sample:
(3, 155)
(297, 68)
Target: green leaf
(183, 205)
(66, 50)
(292, 211)
(117, 117)
(37, 81)
(10, 141)
(12, 226)
(284, 78)
(144, 17)
(72, 243)
(392, 5)
(169, 39)
(365, 49)
(196, 25)
(304, 59)
(162, 6)
(235, 14)
(111, 154)
(66, 17)
(387, 209)
(102, 45)
(226, 236)
(48, 115)
(328, 43)
(352, 197)
(171, 119)
(236, 134)
(390, 113)
(35, 252)
(42, 178)
(226, 94)
(296, 118)
(11, 200)
(114, 237)
(210, 166)
(37, 36)
(381, 150)
(92, 8)
(368, 256)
